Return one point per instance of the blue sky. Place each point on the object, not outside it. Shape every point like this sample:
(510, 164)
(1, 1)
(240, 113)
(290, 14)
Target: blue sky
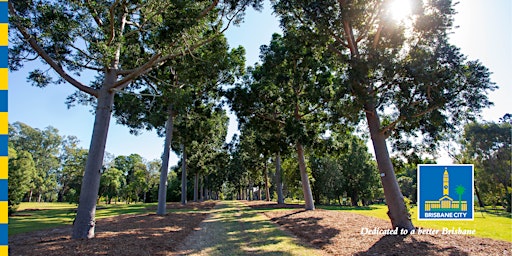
(484, 33)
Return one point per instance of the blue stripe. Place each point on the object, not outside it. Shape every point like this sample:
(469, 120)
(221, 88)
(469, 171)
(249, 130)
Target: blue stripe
(3, 190)
(4, 18)
(4, 234)
(4, 96)
(4, 139)
(4, 56)
(4, 12)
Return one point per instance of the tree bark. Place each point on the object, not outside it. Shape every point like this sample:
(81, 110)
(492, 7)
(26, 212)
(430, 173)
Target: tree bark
(162, 188)
(306, 188)
(183, 175)
(280, 196)
(397, 210)
(267, 183)
(196, 187)
(480, 203)
(84, 224)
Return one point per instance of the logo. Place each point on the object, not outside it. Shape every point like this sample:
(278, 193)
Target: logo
(445, 192)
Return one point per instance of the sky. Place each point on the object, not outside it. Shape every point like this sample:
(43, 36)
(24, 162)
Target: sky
(484, 33)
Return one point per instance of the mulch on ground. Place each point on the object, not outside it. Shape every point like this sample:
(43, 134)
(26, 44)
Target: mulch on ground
(339, 233)
(137, 234)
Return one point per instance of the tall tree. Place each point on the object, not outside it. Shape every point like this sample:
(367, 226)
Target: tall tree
(291, 88)
(73, 159)
(403, 76)
(21, 171)
(176, 87)
(120, 40)
(44, 147)
(111, 183)
(489, 146)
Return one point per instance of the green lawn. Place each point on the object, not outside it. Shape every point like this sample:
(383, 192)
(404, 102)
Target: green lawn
(37, 216)
(486, 224)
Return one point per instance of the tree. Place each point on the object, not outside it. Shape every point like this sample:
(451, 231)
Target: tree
(403, 76)
(44, 147)
(70, 176)
(489, 146)
(176, 87)
(291, 89)
(460, 191)
(111, 183)
(342, 166)
(21, 171)
(120, 41)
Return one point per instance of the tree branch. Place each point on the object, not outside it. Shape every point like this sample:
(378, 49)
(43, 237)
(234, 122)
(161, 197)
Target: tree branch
(41, 52)
(112, 22)
(207, 10)
(137, 72)
(392, 125)
(94, 14)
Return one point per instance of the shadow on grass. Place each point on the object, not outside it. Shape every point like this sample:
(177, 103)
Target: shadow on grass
(347, 208)
(397, 245)
(238, 230)
(308, 228)
(496, 213)
(143, 234)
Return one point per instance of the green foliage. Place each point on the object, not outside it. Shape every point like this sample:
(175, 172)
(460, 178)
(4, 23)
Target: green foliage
(111, 183)
(342, 167)
(417, 82)
(44, 148)
(21, 172)
(489, 147)
(72, 170)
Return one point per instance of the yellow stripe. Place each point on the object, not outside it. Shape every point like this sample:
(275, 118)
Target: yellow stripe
(4, 219)
(4, 250)
(4, 34)
(4, 78)
(4, 167)
(4, 123)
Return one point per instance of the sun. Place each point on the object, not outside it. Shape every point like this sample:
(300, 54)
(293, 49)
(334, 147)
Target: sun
(400, 9)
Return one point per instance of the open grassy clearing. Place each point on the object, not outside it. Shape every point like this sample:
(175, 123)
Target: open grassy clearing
(486, 224)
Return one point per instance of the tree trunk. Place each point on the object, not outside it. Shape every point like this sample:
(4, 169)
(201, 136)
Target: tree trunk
(183, 176)
(397, 210)
(267, 183)
(30, 196)
(196, 187)
(84, 224)
(306, 188)
(280, 197)
(354, 198)
(201, 190)
(480, 202)
(162, 188)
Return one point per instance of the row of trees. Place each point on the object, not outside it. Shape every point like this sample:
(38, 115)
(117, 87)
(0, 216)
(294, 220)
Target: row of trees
(161, 62)
(46, 166)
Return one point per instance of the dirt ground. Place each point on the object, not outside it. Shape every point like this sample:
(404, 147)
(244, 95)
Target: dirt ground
(336, 233)
(339, 233)
(137, 234)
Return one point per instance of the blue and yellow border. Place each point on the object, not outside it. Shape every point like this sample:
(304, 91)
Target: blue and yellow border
(4, 20)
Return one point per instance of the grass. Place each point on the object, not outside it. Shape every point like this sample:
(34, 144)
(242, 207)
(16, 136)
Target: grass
(234, 229)
(38, 216)
(486, 224)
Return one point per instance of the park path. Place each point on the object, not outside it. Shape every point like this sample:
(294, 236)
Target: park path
(235, 229)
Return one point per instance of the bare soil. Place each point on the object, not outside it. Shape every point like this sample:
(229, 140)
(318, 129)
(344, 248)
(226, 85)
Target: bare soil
(334, 232)
(339, 233)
